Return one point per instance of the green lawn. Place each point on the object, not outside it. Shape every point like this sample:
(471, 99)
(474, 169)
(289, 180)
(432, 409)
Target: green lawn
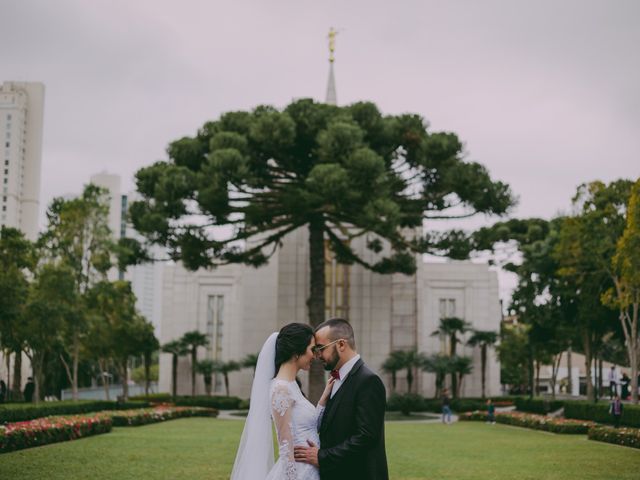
(200, 448)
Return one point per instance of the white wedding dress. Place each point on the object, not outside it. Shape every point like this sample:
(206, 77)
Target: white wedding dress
(297, 421)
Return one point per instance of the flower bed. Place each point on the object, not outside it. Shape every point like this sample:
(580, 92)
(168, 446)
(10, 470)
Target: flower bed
(22, 412)
(132, 418)
(42, 431)
(536, 422)
(629, 437)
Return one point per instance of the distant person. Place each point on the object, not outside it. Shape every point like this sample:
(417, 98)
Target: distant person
(613, 382)
(491, 412)
(624, 386)
(446, 406)
(29, 388)
(616, 408)
(3, 391)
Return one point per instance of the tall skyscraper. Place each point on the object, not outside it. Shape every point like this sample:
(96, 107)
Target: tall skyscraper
(21, 120)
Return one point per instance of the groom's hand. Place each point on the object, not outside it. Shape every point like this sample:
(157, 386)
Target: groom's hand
(307, 454)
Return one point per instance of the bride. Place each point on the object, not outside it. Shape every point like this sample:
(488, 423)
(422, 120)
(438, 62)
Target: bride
(276, 395)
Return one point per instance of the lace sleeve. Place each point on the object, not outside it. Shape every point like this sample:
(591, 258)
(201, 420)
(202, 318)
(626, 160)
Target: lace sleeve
(281, 406)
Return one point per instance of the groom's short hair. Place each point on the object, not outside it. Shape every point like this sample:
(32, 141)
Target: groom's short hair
(339, 328)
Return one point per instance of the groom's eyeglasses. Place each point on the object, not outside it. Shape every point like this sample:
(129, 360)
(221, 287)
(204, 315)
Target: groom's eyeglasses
(318, 347)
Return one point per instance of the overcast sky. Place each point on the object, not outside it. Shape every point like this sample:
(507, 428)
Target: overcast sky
(546, 94)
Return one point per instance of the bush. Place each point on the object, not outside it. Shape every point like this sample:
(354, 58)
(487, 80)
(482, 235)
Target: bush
(16, 436)
(628, 437)
(221, 403)
(417, 403)
(538, 405)
(154, 398)
(21, 412)
(134, 418)
(536, 422)
(599, 412)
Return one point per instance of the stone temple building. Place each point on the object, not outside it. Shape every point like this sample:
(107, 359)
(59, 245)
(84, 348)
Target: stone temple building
(238, 307)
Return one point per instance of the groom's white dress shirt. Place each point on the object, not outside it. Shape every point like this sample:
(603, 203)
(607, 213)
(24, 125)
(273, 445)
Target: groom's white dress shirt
(344, 371)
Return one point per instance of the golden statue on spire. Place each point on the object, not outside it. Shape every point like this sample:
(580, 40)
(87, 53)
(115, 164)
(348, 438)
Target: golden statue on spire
(332, 44)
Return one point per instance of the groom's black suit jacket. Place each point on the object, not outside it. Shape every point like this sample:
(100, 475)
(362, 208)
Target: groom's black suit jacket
(352, 429)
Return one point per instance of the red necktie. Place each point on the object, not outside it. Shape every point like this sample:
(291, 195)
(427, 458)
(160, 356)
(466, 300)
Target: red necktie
(335, 374)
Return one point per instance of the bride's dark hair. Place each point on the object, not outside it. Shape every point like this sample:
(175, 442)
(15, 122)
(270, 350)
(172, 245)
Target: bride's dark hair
(293, 339)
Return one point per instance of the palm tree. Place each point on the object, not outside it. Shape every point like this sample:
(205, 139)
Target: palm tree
(177, 349)
(250, 361)
(451, 327)
(192, 340)
(483, 339)
(206, 368)
(393, 363)
(225, 368)
(461, 366)
(441, 366)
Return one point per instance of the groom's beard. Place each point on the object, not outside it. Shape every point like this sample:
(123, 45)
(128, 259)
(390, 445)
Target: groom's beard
(333, 361)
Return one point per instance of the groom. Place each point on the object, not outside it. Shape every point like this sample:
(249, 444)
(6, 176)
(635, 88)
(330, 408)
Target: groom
(352, 427)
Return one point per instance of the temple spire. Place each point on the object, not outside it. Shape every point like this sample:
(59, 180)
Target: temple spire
(332, 98)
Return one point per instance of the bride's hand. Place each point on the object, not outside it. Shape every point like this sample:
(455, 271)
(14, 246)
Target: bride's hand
(327, 391)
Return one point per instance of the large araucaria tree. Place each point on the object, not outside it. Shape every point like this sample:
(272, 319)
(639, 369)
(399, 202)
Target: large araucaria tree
(339, 172)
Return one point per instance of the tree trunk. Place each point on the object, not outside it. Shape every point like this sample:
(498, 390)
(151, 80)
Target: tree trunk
(17, 375)
(600, 393)
(174, 375)
(393, 381)
(586, 343)
(147, 374)
(409, 379)
(634, 351)
(483, 361)
(554, 373)
(76, 361)
(316, 301)
(105, 378)
(530, 366)
(454, 380)
(125, 380)
(8, 361)
(226, 383)
(537, 378)
(194, 359)
(38, 380)
(569, 375)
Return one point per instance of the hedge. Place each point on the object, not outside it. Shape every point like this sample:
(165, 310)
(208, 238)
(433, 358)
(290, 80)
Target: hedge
(538, 405)
(628, 437)
(19, 435)
(411, 402)
(599, 412)
(536, 422)
(133, 418)
(218, 402)
(21, 412)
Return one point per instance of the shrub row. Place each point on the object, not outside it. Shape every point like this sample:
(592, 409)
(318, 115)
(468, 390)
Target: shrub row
(538, 405)
(599, 412)
(21, 412)
(219, 402)
(19, 435)
(628, 437)
(411, 402)
(536, 422)
(134, 418)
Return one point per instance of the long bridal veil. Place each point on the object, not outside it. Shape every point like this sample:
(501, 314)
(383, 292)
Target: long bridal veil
(255, 459)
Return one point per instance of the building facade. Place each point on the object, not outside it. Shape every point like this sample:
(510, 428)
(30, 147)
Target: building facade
(237, 307)
(21, 122)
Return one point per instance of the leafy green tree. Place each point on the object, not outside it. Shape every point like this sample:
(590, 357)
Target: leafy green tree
(148, 346)
(192, 340)
(250, 361)
(460, 366)
(392, 365)
(485, 340)
(177, 349)
(343, 173)
(51, 297)
(441, 366)
(17, 257)
(452, 327)
(207, 368)
(625, 295)
(225, 368)
(78, 236)
(513, 354)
